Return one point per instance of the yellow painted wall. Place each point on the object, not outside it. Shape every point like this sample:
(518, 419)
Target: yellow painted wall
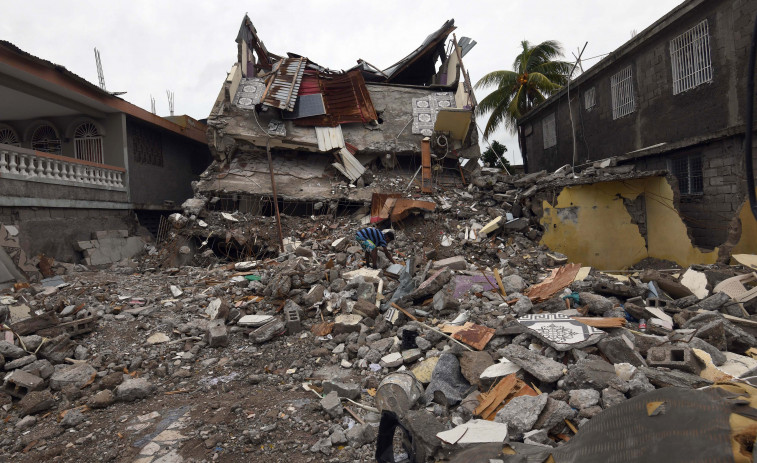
(748, 242)
(590, 224)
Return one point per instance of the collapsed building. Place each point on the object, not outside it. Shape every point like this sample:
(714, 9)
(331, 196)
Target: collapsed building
(327, 129)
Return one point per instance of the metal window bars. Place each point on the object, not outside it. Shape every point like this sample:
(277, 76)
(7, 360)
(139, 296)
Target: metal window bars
(88, 144)
(690, 58)
(622, 93)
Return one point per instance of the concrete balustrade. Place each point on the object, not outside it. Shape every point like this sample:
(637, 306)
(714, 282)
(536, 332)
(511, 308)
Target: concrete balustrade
(24, 164)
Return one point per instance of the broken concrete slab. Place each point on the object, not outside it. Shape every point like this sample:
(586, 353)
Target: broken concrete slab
(543, 368)
(521, 413)
(76, 375)
(453, 263)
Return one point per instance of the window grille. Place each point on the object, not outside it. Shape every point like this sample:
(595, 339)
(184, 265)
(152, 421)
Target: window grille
(146, 145)
(45, 139)
(690, 58)
(589, 99)
(88, 143)
(549, 131)
(688, 171)
(621, 85)
(8, 137)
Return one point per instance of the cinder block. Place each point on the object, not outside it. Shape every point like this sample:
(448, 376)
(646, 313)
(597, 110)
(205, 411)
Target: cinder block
(18, 383)
(293, 322)
(678, 357)
(657, 302)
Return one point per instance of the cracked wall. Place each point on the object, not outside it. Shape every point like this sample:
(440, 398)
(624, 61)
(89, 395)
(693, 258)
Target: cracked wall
(606, 236)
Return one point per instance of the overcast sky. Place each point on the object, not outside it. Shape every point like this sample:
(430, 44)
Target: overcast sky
(188, 46)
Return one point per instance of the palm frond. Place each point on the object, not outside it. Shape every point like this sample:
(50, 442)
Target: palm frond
(498, 78)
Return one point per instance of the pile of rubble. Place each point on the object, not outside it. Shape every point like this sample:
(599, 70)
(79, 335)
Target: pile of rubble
(306, 355)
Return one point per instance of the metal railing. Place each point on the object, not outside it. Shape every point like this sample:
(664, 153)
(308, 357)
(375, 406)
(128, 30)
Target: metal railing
(24, 164)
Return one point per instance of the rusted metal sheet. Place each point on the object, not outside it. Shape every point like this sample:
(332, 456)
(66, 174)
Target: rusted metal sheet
(559, 279)
(284, 86)
(377, 205)
(476, 336)
(426, 164)
(403, 207)
(346, 98)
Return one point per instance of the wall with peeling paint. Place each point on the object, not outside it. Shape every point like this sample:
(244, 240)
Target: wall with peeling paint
(592, 225)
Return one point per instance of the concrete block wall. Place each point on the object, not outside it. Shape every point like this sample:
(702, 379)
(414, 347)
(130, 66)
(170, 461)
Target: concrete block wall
(54, 231)
(708, 215)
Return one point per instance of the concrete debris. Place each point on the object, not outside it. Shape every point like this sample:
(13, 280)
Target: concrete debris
(233, 337)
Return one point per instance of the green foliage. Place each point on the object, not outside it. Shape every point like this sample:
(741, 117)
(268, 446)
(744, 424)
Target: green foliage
(535, 76)
(495, 150)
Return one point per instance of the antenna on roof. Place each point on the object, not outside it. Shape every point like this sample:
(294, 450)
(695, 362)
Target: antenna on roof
(169, 93)
(578, 59)
(100, 75)
(152, 104)
(633, 33)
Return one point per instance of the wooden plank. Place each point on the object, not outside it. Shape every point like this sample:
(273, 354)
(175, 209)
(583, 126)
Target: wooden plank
(601, 322)
(499, 282)
(34, 324)
(491, 400)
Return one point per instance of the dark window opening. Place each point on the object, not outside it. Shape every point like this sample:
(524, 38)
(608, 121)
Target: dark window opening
(688, 171)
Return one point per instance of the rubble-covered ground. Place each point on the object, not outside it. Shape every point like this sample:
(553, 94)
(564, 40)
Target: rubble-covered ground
(212, 346)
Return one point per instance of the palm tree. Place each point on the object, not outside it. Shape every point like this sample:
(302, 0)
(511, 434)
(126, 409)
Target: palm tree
(534, 77)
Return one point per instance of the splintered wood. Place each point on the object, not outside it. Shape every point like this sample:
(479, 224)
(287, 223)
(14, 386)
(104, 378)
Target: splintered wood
(602, 322)
(507, 389)
(560, 278)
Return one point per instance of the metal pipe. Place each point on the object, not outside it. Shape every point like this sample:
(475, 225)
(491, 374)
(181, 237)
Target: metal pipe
(275, 196)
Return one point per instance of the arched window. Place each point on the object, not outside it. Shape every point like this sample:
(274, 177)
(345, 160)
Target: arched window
(8, 136)
(45, 139)
(88, 143)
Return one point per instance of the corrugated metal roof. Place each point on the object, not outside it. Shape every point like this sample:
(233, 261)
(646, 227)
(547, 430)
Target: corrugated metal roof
(347, 100)
(284, 86)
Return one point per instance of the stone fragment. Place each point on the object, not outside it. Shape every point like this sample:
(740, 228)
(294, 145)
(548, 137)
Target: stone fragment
(332, 405)
(611, 397)
(514, 284)
(158, 338)
(445, 302)
(102, 399)
(718, 357)
(595, 303)
(347, 323)
(447, 380)
(433, 284)
(643, 342)
(26, 422)
(583, 398)
(42, 368)
(314, 295)
(217, 309)
(454, 263)
(268, 331)
(392, 360)
(72, 418)
(541, 367)
(36, 401)
(473, 364)
(217, 336)
(348, 390)
(618, 349)
(365, 308)
(411, 355)
(552, 418)
(674, 378)
(254, 320)
(11, 351)
(424, 427)
(521, 414)
(20, 362)
(595, 374)
(134, 389)
(361, 434)
(76, 375)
